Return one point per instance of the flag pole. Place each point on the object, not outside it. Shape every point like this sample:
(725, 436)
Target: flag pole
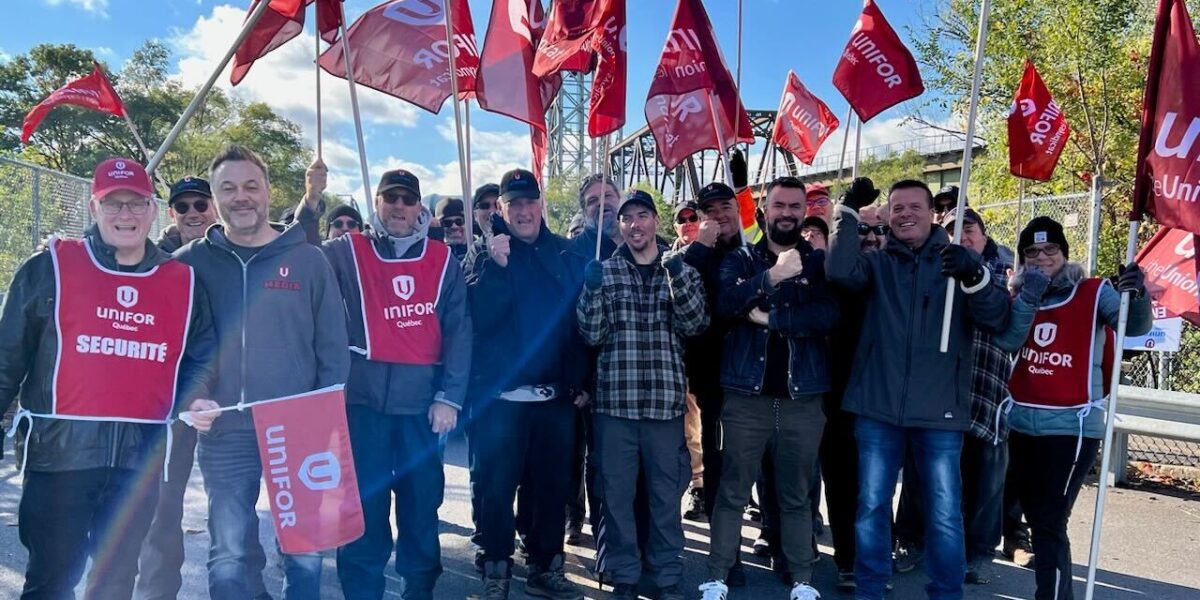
(845, 142)
(724, 151)
(194, 105)
(1110, 419)
(1020, 200)
(965, 176)
(469, 215)
(606, 168)
(857, 147)
(317, 64)
(358, 130)
(145, 151)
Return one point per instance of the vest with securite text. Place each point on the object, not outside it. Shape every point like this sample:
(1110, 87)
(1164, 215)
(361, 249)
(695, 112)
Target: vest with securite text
(121, 336)
(1054, 367)
(399, 302)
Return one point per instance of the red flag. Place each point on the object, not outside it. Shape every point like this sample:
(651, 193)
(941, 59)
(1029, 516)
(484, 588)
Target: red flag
(691, 78)
(567, 43)
(308, 466)
(1037, 129)
(505, 83)
(1169, 263)
(606, 111)
(93, 92)
(876, 71)
(803, 121)
(400, 49)
(283, 20)
(1167, 184)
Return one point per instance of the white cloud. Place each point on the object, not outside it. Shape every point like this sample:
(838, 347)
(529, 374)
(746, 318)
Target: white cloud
(97, 7)
(104, 52)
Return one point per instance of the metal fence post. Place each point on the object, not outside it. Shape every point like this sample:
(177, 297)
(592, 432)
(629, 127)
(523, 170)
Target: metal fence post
(35, 222)
(1094, 236)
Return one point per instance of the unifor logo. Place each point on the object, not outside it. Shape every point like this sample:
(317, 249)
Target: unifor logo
(127, 296)
(283, 271)
(321, 471)
(418, 13)
(1044, 334)
(120, 165)
(404, 286)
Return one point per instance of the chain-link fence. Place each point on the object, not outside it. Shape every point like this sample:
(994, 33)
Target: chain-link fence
(35, 203)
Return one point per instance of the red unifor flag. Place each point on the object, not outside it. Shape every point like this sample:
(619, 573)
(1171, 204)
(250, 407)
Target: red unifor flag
(400, 49)
(606, 110)
(308, 466)
(876, 71)
(93, 92)
(803, 121)
(1169, 263)
(283, 20)
(506, 83)
(691, 73)
(1167, 183)
(567, 43)
(1037, 129)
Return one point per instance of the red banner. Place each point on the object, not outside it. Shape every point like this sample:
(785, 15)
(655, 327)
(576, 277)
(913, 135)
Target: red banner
(690, 80)
(1037, 129)
(1167, 184)
(283, 20)
(400, 49)
(93, 92)
(1169, 263)
(803, 122)
(876, 71)
(308, 467)
(606, 112)
(567, 43)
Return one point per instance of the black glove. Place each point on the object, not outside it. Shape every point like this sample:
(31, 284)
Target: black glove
(738, 170)
(593, 275)
(962, 264)
(862, 193)
(1131, 279)
(674, 264)
(1033, 285)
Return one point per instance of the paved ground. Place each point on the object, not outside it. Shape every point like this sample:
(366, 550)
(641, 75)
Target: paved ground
(1150, 550)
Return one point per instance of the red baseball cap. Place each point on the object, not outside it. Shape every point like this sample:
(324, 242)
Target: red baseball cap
(121, 174)
(815, 191)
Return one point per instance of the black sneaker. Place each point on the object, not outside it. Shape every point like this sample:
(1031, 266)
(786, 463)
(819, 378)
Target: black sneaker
(574, 534)
(624, 591)
(695, 511)
(496, 578)
(670, 592)
(845, 582)
(906, 558)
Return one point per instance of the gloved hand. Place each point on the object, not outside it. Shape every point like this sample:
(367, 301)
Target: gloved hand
(738, 170)
(1034, 285)
(1131, 279)
(962, 264)
(674, 264)
(593, 276)
(862, 193)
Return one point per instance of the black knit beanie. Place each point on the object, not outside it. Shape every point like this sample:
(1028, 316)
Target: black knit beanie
(1042, 230)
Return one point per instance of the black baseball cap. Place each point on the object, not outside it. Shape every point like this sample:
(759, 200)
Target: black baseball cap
(949, 192)
(190, 185)
(713, 192)
(398, 178)
(686, 205)
(483, 191)
(519, 183)
(639, 198)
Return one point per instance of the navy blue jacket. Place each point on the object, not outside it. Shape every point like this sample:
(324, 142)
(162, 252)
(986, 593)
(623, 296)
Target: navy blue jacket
(802, 309)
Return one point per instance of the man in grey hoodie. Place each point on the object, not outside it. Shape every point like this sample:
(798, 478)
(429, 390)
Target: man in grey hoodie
(281, 327)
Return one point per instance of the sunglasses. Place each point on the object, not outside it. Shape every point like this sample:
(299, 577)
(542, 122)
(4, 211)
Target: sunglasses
(485, 206)
(454, 222)
(943, 208)
(691, 219)
(1048, 250)
(181, 208)
(346, 223)
(407, 199)
(136, 207)
(880, 230)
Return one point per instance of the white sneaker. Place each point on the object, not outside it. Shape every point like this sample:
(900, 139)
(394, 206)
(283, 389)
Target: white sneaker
(803, 591)
(714, 590)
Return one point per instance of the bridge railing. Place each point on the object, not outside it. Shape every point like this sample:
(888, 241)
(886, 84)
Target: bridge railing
(925, 146)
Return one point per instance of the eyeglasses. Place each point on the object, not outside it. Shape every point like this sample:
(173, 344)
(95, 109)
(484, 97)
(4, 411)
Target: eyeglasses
(344, 223)
(691, 219)
(880, 230)
(181, 207)
(136, 207)
(817, 202)
(408, 199)
(454, 222)
(1048, 250)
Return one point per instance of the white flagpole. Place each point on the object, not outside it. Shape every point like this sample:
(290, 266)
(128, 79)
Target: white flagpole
(845, 142)
(358, 131)
(192, 107)
(145, 151)
(317, 64)
(1110, 419)
(467, 138)
(469, 215)
(965, 176)
(857, 147)
(605, 169)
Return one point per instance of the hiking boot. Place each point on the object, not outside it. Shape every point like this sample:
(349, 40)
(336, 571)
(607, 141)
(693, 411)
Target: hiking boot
(695, 511)
(497, 575)
(624, 591)
(551, 583)
(803, 591)
(714, 589)
(845, 582)
(574, 534)
(670, 592)
(906, 558)
(1019, 552)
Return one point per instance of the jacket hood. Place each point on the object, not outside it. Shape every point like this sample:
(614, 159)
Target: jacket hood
(107, 255)
(292, 235)
(1067, 277)
(401, 244)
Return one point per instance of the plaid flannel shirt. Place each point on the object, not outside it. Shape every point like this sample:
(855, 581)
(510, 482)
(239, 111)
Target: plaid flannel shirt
(639, 328)
(991, 368)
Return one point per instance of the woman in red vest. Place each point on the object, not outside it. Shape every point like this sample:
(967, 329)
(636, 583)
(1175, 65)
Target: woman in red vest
(1062, 331)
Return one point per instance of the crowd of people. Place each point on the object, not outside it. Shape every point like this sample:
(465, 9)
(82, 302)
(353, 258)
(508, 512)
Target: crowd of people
(602, 377)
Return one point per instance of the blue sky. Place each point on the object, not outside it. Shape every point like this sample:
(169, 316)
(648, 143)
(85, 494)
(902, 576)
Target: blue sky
(803, 35)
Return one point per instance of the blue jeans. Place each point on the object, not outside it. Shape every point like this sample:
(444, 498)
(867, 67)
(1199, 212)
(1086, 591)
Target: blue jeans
(232, 473)
(936, 454)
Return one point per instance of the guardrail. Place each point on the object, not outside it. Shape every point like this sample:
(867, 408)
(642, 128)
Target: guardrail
(925, 146)
(1156, 413)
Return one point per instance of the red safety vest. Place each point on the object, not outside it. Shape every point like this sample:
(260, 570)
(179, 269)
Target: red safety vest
(120, 337)
(399, 302)
(1054, 367)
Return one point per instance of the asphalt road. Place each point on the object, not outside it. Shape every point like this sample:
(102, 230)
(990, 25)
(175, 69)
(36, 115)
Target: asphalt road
(1151, 545)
